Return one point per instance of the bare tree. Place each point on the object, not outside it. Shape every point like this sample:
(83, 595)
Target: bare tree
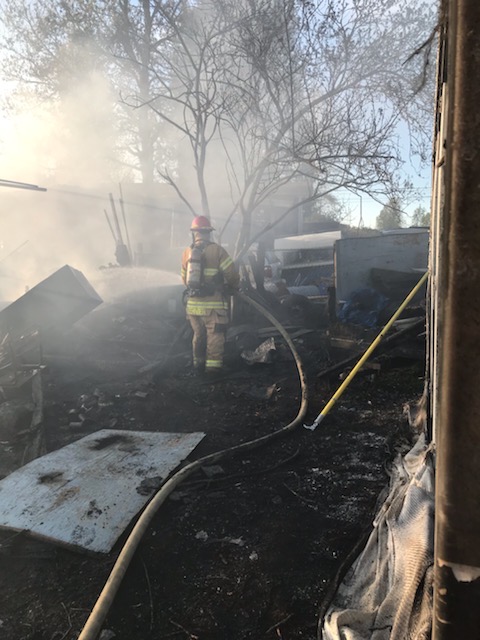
(188, 102)
(50, 46)
(231, 101)
(300, 92)
(331, 208)
(137, 36)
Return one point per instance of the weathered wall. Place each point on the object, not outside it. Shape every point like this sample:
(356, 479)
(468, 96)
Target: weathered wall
(355, 257)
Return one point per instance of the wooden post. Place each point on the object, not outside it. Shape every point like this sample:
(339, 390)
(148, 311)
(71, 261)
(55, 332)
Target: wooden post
(456, 613)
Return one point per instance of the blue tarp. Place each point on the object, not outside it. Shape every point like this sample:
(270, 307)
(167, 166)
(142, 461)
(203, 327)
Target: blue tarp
(363, 307)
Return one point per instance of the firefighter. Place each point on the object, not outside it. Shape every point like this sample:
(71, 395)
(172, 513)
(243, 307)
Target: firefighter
(210, 276)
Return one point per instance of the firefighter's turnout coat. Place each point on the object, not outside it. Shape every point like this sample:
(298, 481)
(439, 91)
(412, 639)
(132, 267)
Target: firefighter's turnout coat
(208, 312)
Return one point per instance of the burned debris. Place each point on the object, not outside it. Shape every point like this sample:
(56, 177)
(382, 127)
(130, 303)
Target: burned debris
(114, 385)
(27, 326)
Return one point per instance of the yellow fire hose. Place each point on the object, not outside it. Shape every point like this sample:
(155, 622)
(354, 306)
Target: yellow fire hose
(365, 356)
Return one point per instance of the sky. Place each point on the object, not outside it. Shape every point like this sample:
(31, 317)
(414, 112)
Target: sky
(363, 210)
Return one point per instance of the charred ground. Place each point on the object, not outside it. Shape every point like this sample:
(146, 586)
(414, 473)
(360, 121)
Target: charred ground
(245, 549)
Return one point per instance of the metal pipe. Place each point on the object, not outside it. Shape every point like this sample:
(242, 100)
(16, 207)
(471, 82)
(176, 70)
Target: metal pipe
(124, 218)
(21, 185)
(115, 219)
(110, 225)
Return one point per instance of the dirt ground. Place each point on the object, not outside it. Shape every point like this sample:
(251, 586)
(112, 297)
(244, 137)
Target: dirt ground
(245, 549)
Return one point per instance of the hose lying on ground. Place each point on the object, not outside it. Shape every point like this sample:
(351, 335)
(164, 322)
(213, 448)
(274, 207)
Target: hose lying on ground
(105, 600)
(99, 612)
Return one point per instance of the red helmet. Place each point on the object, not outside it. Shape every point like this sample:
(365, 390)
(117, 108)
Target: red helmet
(201, 223)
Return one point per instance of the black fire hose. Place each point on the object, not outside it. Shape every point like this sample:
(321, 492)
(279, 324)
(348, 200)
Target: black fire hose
(99, 612)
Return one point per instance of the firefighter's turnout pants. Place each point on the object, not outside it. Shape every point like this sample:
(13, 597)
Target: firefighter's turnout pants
(208, 342)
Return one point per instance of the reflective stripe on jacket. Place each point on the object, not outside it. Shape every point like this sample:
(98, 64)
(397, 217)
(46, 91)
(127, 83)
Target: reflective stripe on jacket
(219, 268)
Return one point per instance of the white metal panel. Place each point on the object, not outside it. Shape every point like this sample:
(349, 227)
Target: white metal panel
(86, 493)
(308, 241)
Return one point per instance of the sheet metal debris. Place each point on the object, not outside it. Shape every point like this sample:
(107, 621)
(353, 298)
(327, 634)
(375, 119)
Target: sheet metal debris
(50, 306)
(40, 314)
(85, 494)
(262, 354)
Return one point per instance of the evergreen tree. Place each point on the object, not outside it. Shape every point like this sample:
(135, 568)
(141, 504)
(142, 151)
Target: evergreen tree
(391, 216)
(421, 217)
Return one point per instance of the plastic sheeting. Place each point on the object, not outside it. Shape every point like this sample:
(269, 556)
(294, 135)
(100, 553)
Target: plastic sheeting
(363, 307)
(387, 593)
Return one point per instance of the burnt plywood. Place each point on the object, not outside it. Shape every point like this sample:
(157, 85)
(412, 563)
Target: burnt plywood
(86, 494)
